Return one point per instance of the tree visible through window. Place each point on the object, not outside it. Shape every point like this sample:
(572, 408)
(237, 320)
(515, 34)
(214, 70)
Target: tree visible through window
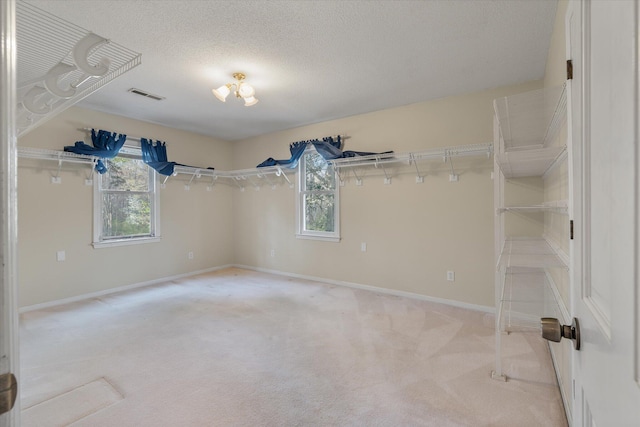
(125, 201)
(318, 210)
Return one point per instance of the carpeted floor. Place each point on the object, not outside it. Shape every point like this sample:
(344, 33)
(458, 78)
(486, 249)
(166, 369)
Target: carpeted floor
(241, 348)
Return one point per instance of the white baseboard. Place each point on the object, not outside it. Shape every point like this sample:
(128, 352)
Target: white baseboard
(50, 304)
(565, 398)
(460, 304)
(454, 303)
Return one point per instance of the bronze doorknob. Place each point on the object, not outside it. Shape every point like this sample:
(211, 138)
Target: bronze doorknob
(552, 330)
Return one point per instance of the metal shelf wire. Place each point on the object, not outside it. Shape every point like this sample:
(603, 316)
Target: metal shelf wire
(528, 252)
(59, 64)
(272, 175)
(527, 131)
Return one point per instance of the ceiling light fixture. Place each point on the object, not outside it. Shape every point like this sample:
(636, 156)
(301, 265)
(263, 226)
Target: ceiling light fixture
(240, 88)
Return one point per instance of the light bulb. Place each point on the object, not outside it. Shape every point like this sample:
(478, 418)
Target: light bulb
(222, 92)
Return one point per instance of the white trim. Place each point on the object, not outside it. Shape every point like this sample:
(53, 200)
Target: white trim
(301, 233)
(315, 237)
(9, 328)
(154, 192)
(565, 321)
(395, 292)
(565, 399)
(125, 242)
(118, 289)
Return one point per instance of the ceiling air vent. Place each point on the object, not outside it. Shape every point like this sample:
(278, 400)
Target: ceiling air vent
(146, 94)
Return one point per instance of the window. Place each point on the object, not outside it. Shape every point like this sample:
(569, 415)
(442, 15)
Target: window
(318, 203)
(125, 202)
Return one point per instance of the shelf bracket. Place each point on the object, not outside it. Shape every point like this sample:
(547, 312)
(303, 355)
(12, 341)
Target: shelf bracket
(88, 180)
(196, 174)
(213, 180)
(340, 175)
(237, 180)
(280, 172)
(358, 179)
(453, 177)
(55, 179)
(419, 176)
(387, 178)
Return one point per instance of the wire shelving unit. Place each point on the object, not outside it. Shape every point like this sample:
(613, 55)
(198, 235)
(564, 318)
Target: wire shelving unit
(528, 143)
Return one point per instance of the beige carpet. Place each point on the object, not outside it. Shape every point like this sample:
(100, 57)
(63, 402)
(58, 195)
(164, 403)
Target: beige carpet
(240, 348)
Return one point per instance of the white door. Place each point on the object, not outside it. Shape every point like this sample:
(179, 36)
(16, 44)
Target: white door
(603, 46)
(8, 212)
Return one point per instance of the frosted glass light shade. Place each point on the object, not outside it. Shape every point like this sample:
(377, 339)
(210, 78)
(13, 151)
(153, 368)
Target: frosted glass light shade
(246, 91)
(249, 101)
(221, 93)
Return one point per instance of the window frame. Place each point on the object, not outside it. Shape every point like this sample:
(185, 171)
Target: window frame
(301, 232)
(132, 152)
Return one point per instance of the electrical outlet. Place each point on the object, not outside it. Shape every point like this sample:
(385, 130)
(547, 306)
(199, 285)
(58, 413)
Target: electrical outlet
(61, 256)
(363, 247)
(190, 255)
(451, 276)
(273, 253)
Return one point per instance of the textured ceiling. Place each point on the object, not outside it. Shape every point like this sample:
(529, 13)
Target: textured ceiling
(309, 61)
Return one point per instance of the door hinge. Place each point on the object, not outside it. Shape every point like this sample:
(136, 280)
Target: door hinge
(8, 392)
(571, 229)
(569, 70)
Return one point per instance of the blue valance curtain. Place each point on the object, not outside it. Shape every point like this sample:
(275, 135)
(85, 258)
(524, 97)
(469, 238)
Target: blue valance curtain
(106, 145)
(296, 149)
(328, 148)
(156, 156)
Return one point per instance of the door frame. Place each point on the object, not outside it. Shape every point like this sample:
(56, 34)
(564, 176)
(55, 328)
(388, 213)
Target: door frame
(9, 361)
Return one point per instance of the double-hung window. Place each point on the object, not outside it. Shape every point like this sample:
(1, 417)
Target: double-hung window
(126, 202)
(318, 199)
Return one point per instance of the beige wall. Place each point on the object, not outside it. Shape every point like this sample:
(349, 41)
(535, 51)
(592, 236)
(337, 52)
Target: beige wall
(414, 232)
(55, 217)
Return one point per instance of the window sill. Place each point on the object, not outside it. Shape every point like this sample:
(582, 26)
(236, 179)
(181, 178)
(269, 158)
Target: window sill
(125, 242)
(315, 237)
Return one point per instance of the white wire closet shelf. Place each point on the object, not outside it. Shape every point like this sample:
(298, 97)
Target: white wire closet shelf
(59, 156)
(526, 298)
(528, 252)
(558, 206)
(256, 177)
(413, 159)
(532, 119)
(59, 64)
(444, 153)
(533, 162)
